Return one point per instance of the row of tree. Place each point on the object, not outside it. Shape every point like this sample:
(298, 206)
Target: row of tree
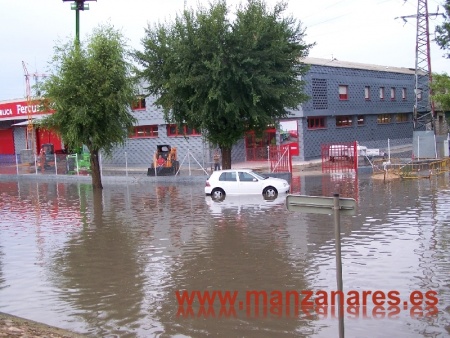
(219, 75)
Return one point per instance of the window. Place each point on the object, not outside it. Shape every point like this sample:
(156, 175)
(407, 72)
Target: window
(361, 120)
(343, 121)
(419, 94)
(402, 117)
(381, 93)
(343, 92)
(138, 104)
(403, 93)
(143, 131)
(383, 118)
(392, 94)
(172, 130)
(246, 177)
(367, 93)
(228, 176)
(316, 122)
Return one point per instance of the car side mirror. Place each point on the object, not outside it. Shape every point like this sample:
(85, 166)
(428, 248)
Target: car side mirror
(255, 180)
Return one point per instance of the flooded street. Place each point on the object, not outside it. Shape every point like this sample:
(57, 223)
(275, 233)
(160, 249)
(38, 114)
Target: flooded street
(112, 264)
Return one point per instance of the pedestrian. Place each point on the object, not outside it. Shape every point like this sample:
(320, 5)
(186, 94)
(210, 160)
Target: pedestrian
(216, 160)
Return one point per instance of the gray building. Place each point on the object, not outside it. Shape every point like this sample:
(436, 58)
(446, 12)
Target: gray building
(355, 102)
(348, 102)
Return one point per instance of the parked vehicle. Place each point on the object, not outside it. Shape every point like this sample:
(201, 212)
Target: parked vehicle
(71, 163)
(243, 182)
(164, 162)
(79, 162)
(48, 155)
(340, 151)
(345, 152)
(46, 158)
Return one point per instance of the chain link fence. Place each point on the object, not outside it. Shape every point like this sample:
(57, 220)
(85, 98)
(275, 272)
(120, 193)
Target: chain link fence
(27, 163)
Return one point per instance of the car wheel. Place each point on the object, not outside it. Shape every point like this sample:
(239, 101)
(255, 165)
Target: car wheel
(218, 194)
(270, 193)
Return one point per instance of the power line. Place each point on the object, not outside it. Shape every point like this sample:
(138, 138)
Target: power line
(424, 113)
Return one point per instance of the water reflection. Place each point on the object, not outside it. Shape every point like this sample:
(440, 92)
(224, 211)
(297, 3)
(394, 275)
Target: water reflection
(110, 263)
(237, 204)
(103, 271)
(237, 254)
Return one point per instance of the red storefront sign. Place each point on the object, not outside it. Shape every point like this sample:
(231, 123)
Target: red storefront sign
(19, 109)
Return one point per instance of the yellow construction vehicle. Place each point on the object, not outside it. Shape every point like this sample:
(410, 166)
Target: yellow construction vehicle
(164, 161)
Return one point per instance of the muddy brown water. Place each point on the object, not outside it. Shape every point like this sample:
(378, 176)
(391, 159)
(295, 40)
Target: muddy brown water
(110, 264)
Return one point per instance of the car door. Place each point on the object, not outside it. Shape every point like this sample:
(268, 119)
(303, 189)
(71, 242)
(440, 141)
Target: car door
(228, 182)
(248, 184)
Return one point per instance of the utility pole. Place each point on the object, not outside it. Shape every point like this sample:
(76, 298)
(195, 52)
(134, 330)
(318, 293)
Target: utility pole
(30, 137)
(423, 114)
(78, 5)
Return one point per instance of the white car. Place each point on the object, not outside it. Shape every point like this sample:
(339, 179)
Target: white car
(243, 182)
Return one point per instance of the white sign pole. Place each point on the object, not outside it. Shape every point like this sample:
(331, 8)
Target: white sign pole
(337, 236)
(328, 205)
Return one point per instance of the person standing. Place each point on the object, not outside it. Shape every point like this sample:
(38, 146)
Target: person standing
(216, 160)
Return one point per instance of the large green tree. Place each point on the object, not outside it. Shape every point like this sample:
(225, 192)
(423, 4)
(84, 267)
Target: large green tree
(226, 74)
(440, 88)
(91, 88)
(443, 31)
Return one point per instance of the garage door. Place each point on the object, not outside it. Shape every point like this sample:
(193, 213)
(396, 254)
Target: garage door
(6, 142)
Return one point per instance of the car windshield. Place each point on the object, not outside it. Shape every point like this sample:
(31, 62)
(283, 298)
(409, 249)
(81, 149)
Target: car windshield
(259, 177)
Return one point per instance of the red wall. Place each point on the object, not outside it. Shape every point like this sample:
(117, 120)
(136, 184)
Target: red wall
(6, 142)
(45, 136)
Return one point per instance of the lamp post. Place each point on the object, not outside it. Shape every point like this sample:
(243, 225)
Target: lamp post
(78, 5)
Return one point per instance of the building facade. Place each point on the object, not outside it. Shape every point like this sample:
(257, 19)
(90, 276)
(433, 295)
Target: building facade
(14, 136)
(355, 102)
(347, 102)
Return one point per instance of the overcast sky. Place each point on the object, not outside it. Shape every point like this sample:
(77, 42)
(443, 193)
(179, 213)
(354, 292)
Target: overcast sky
(364, 31)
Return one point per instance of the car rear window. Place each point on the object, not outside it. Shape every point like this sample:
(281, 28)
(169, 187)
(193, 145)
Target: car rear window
(228, 176)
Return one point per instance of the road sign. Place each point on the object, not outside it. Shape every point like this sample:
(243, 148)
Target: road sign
(327, 205)
(320, 205)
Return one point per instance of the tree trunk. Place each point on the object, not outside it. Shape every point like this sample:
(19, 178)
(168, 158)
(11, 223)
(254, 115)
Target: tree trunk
(95, 170)
(226, 157)
(98, 207)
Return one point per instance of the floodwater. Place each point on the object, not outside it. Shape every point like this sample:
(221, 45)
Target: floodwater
(110, 264)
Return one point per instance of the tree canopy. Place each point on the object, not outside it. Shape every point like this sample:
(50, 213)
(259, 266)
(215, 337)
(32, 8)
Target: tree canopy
(91, 89)
(441, 90)
(443, 31)
(222, 76)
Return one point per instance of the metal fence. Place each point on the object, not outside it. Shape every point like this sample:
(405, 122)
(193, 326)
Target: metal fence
(79, 164)
(278, 158)
(339, 157)
(419, 169)
(56, 164)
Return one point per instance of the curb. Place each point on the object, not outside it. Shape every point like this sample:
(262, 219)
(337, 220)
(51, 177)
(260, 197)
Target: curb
(13, 326)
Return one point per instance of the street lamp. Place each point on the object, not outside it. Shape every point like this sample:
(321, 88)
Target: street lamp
(78, 5)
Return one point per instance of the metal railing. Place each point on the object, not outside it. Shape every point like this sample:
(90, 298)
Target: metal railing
(413, 169)
(79, 164)
(56, 164)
